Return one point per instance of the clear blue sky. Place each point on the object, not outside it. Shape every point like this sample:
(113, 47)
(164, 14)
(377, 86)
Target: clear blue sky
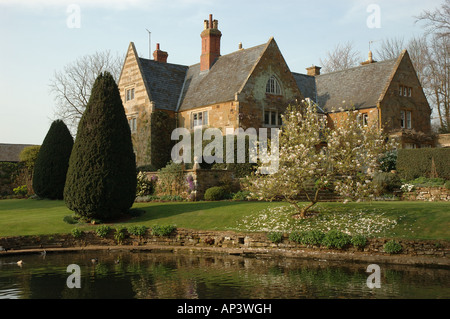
(36, 39)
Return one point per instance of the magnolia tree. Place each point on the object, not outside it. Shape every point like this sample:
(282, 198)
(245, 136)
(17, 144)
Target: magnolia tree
(313, 157)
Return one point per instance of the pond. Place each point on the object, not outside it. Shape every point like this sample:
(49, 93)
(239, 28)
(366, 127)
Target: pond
(149, 275)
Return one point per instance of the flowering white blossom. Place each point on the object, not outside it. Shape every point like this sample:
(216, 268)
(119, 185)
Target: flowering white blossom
(314, 158)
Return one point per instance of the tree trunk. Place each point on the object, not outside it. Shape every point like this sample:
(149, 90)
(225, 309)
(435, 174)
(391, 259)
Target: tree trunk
(302, 210)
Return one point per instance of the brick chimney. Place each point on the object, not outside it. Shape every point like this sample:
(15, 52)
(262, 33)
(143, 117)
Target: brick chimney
(313, 70)
(210, 44)
(160, 56)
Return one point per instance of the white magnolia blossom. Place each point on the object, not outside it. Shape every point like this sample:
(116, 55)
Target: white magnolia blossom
(312, 157)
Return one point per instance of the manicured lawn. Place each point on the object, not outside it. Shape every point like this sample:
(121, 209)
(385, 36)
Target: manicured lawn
(415, 220)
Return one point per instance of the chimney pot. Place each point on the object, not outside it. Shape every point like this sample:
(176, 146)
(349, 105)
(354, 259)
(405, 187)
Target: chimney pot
(210, 44)
(160, 56)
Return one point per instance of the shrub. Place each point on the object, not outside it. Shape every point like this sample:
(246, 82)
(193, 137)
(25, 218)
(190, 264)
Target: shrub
(313, 237)
(447, 185)
(336, 239)
(414, 163)
(102, 230)
(69, 220)
(359, 241)
(77, 233)
(215, 193)
(137, 230)
(296, 237)
(119, 234)
(52, 162)
(388, 162)
(101, 179)
(275, 237)
(386, 182)
(162, 230)
(428, 182)
(392, 247)
(241, 195)
(406, 188)
(21, 190)
(144, 186)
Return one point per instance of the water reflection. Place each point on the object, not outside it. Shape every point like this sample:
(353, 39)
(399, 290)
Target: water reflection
(142, 275)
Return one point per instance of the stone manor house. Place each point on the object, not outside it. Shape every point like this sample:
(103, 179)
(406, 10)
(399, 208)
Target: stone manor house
(251, 88)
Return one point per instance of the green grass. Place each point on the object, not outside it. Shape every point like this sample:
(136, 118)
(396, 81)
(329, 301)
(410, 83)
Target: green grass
(413, 220)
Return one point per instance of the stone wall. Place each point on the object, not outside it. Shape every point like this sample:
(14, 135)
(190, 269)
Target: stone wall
(204, 179)
(443, 140)
(430, 194)
(232, 242)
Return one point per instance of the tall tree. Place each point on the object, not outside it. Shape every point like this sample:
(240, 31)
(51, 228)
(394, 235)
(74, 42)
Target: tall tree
(52, 162)
(72, 85)
(313, 158)
(417, 47)
(437, 27)
(101, 179)
(438, 21)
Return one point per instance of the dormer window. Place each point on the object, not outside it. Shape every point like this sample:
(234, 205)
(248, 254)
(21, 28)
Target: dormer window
(273, 86)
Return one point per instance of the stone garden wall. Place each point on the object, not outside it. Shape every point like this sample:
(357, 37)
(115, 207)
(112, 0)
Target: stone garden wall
(428, 194)
(228, 241)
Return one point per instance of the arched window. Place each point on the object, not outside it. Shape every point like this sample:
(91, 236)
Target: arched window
(272, 86)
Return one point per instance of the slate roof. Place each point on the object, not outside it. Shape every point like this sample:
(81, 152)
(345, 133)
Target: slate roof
(180, 88)
(164, 81)
(11, 152)
(307, 85)
(360, 87)
(167, 81)
(225, 78)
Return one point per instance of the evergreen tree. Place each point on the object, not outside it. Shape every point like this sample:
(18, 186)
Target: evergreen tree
(52, 162)
(101, 180)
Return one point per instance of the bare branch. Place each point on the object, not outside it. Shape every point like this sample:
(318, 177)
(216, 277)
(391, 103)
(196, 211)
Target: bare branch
(341, 58)
(72, 86)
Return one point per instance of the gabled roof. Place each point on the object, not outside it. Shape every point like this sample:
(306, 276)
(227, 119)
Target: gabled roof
(360, 87)
(164, 81)
(178, 87)
(307, 85)
(220, 84)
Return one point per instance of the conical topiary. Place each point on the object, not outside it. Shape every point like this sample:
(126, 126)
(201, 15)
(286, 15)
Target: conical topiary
(101, 180)
(52, 162)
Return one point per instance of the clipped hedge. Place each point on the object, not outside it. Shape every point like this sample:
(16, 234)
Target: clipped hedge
(414, 163)
(215, 193)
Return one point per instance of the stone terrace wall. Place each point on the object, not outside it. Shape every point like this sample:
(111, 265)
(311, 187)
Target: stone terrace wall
(203, 179)
(428, 194)
(246, 243)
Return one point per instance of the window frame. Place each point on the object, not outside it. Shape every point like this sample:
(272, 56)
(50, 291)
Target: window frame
(273, 86)
(201, 116)
(272, 115)
(132, 122)
(129, 94)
